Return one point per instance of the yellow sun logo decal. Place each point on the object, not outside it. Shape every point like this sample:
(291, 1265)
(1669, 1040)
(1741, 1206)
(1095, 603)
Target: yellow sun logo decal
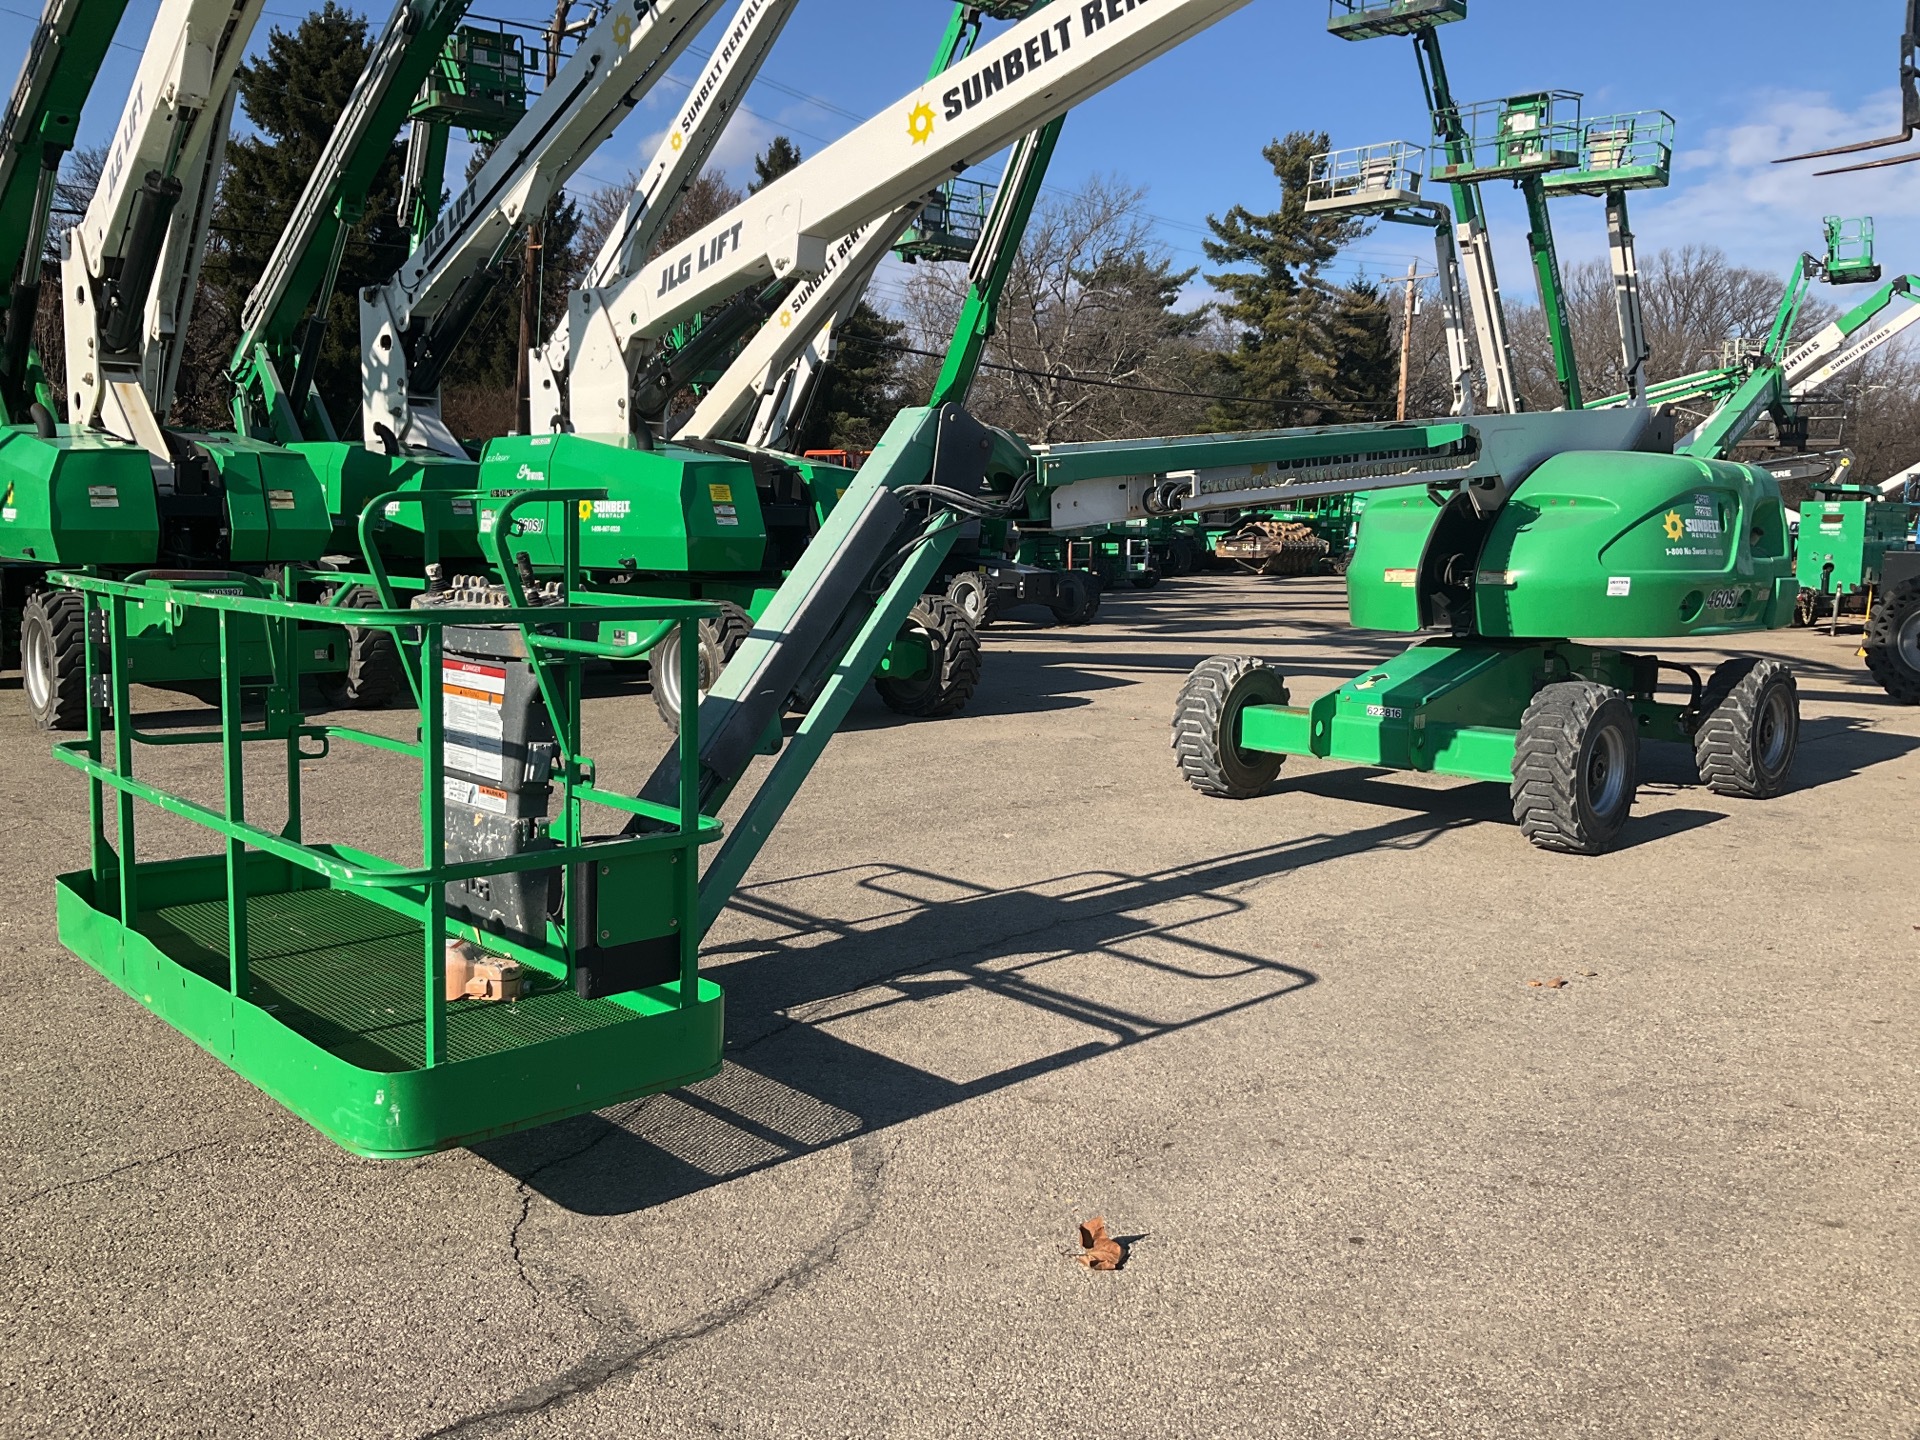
(920, 124)
(786, 319)
(1676, 527)
(676, 141)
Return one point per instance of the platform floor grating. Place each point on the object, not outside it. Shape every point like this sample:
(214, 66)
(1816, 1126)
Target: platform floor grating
(348, 975)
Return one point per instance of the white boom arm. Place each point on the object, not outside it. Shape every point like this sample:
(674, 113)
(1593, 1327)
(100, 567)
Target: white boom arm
(1039, 68)
(413, 321)
(1834, 349)
(130, 267)
(710, 105)
(805, 320)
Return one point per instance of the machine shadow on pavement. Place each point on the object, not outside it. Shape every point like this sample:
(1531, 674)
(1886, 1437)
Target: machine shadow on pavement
(999, 986)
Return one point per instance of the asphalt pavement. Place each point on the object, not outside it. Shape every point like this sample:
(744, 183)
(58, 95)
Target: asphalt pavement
(997, 974)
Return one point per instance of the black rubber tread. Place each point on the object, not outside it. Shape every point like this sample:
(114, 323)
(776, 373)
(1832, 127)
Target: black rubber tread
(1145, 580)
(956, 663)
(1549, 790)
(1727, 744)
(977, 597)
(61, 615)
(1084, 603)
(729, 628)
(1179, 557)
(1805, 607)
(1892, 610)
(373, 675)
(1206, 720)
(712, 662)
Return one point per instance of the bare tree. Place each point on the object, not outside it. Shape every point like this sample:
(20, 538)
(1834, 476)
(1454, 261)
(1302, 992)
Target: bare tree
(1090, 343)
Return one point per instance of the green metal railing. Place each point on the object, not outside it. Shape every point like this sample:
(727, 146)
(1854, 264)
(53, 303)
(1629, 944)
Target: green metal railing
(555, 638)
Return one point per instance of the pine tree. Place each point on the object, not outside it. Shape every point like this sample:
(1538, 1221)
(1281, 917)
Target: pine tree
(1278, 306)
(780, 156)
(1365, 365)
(855, 399)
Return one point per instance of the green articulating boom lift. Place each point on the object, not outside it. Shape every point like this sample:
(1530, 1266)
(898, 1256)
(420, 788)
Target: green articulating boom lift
(1509, 536)
(244, 501)
(430, 71)
(283, 322)
(116, 488)
(1892, 646)
(324, 974)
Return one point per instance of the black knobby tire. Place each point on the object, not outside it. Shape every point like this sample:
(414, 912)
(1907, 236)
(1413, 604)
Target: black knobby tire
(1749, 729)
(1179, 557)
(1145, 579)
(1576, 767)
(1893, 642)
(1206, 726)
(1077, 598)
(953, 663)
(373, 675)
(976, 596)
(728, 629)
(53, 658)
(1806, 609)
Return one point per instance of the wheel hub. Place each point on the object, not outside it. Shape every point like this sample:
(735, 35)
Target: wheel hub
(1606, 773)
(1906, 643)
(1773, 732)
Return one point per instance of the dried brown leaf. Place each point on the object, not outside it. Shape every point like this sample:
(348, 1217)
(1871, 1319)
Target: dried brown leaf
(1533, 984)
(1099, 1250)
(1555, 983)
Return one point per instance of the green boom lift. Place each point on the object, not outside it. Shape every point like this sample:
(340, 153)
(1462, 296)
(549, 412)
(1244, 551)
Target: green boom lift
(1508, 536)
(527, 969)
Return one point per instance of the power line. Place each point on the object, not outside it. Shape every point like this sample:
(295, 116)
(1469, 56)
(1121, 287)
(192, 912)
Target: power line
(1072, 379)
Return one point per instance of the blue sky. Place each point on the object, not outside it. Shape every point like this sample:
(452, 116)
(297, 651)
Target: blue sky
(1747, 80)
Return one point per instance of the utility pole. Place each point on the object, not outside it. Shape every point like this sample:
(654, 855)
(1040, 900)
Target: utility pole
(530, 266)
(1406, 336)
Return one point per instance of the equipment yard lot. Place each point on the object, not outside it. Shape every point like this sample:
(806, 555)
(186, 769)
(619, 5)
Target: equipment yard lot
(1000, 973)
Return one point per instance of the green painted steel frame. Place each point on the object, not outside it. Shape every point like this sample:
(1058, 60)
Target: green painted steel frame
(1448, 707)
(655, 1039)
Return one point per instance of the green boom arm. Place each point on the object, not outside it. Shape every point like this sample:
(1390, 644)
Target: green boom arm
(62, 63)
(284, 319)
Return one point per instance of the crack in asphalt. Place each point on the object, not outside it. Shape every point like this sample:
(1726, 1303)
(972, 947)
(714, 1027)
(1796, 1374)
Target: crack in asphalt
(526, 1192)
(867, 1161)
(95, 1179)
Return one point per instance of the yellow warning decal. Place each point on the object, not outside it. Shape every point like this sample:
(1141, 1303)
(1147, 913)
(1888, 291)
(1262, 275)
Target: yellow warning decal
(720, 494)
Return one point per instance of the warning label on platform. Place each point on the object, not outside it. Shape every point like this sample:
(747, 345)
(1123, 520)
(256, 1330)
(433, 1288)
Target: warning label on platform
(473, 695)
(481, 797)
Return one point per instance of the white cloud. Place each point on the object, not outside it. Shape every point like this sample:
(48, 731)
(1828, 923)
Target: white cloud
(1727, 190)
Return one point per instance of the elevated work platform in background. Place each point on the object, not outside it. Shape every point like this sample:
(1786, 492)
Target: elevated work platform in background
(1511, 139)
(1366, 179)
(1370, 19)
(1630, 151)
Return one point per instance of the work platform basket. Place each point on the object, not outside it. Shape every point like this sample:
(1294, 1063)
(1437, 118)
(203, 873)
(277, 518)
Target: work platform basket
(319, 971)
